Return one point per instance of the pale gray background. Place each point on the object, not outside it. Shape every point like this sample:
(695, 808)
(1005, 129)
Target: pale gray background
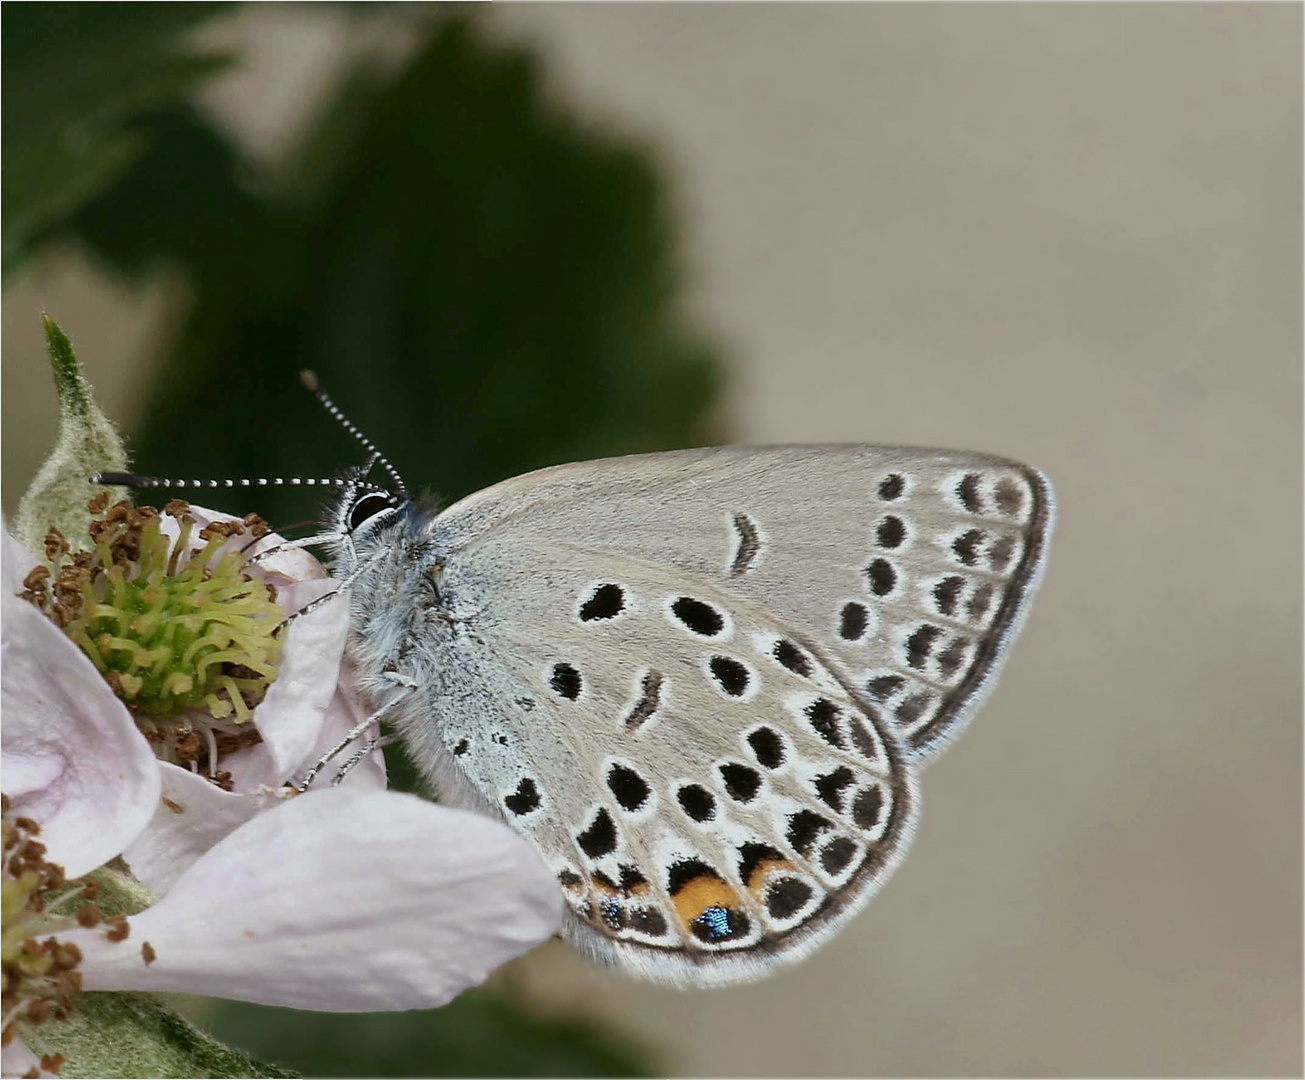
(1070, 234)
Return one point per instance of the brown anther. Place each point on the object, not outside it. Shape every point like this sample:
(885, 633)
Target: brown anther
(90, 890)
(32, 1074)
(27, 825)
(187, 744)
(258, 528)
(89, 915)
(51, 1063)
(55, 544)
(67, 956)
(36, 577)
(4, 803)
(117, 512)
(117, 928)
(176, 508)
(7, 1036)
(147, 953)
(98, 503)
(38, 1010)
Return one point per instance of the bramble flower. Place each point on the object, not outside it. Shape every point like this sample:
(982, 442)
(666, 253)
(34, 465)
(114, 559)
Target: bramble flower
(349, 898)
(160, 703)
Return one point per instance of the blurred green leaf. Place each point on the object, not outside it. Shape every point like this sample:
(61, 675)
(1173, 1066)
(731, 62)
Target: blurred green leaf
(477, 1034)
(481, 283)
(74, 77)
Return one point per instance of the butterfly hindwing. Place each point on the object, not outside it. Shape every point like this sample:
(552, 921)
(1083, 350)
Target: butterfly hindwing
(708, 792)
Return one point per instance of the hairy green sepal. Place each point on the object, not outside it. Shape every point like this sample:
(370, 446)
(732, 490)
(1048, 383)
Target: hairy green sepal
(136, 1035)
(88, 443)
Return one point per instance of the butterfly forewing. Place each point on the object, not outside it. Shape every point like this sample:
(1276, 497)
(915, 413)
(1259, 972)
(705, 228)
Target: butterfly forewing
(698, 681)
(910, 568)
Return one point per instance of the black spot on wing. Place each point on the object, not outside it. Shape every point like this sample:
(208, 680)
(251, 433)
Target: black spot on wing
(600, 838)
(830, 787)
(752, 855)
(803, 829)
(698, 616)
(730, 675)
(605, 602)
(891, 532)
(867, 807)
(565, 681)
(966, 547)
(836, 854)
(768, 746)
(853, 621)
(823, 717)
(884, 686)
(919, 644)
(882, 576)
(741, 782)
(892, 486)
(947, 593)
(696, 801)
(647, 921)
(525, 799)
(786, 897)
(629, 788)
(793, 658)
(968, 492)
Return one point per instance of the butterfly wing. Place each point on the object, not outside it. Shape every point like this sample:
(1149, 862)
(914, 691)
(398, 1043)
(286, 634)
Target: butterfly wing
(912, 568)
(672, 694)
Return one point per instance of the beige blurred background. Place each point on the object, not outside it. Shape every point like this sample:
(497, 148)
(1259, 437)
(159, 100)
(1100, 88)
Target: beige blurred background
(1066, 233)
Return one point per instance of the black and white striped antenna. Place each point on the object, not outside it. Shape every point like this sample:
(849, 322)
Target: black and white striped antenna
(310, 381)
(356, 481)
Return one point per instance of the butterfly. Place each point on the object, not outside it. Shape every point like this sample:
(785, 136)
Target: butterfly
(701, 683)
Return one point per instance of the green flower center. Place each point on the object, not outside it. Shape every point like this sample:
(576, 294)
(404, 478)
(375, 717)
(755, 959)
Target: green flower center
(187, 639)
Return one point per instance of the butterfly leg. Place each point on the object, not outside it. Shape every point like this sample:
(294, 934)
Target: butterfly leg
(359, 755)
(293, 545)
(357, 733)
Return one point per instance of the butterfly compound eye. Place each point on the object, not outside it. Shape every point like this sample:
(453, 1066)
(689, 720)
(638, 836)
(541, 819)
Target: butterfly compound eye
(367, 506)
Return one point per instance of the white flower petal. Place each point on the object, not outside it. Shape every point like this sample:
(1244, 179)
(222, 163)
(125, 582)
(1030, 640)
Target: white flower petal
(193, 815)
(17, 1060)
(345, 714)
(77, 762)
(15, 563)
(289, 718)
(340, 900)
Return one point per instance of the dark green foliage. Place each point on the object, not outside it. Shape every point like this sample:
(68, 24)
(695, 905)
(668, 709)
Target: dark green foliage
(481, 284)
(478, 1034)
(75, 76)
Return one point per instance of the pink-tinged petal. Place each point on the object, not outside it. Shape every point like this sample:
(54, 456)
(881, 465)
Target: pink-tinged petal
(77, 762)
(15, 563)
(344, 715)
(290, 716)
(193, 815)
(340, 901)
(17, 1060)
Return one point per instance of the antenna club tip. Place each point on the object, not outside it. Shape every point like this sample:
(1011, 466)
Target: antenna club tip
(309, 379)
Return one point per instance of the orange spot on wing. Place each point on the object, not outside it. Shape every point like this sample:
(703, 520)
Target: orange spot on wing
(698, 894)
